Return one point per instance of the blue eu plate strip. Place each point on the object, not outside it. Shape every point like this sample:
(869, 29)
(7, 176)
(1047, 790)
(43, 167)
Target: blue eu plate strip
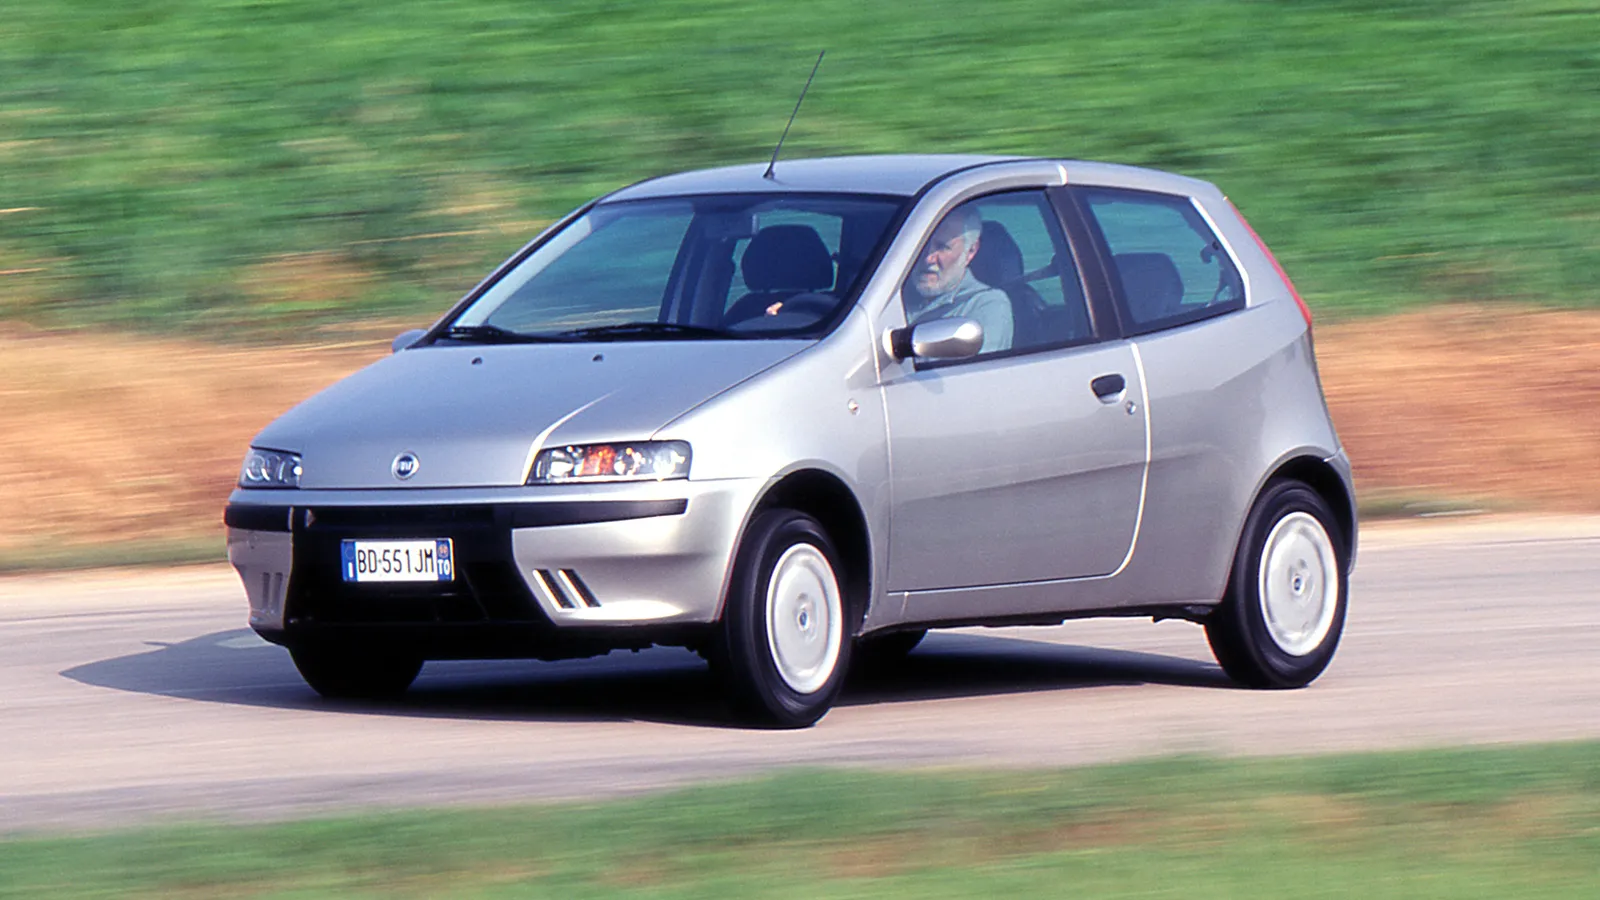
(445, 564)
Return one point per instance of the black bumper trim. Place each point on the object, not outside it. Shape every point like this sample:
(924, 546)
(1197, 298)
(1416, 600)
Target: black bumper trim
(584, 512)
(257, 518)
(251, 517)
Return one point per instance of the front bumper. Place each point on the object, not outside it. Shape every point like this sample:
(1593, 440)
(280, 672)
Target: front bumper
(535, 566)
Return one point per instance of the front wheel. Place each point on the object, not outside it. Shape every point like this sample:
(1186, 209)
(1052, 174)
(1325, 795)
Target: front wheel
(783, 645)
(1284, 610)
(880, 652)
(345, 673)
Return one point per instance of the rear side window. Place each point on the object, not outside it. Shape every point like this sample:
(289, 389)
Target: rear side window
(1171, 267)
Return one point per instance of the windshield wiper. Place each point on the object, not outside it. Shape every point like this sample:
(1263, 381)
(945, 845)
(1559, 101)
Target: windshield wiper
(494, 334)
(649, 329)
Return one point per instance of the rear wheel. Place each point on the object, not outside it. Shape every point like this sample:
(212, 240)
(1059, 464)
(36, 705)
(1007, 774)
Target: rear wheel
(344, 673)
(783, 644)
(1281, 619)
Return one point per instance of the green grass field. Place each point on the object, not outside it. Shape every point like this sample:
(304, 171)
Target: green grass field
(231, 164)
(1521, 822)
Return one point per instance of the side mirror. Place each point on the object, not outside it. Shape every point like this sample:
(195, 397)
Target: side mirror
(954, 338)
(406, 339)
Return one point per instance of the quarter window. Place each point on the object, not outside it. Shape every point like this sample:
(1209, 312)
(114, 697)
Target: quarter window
(1171, 267)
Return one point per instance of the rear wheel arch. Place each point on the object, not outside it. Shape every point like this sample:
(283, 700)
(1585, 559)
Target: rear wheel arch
(826, 498)
(1321, 477)
(1313, 472)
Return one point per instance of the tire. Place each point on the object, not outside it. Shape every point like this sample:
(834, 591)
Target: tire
(883, 651)
(340, 672)
(784, 644)
(1281, 618)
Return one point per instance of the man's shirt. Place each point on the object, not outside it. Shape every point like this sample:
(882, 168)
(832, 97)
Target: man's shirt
(971, 299)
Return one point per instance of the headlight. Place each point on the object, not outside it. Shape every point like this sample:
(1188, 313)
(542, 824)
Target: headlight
(270, 469)
(644, 461)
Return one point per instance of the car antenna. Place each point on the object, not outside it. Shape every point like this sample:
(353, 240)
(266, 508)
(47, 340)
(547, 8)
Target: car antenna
(768, 173)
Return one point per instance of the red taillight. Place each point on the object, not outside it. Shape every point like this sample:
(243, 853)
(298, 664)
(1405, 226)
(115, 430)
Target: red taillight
(1304, 309)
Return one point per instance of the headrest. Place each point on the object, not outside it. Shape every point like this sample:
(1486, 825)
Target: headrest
(787, 258)
(999, 259)
(1152, 283)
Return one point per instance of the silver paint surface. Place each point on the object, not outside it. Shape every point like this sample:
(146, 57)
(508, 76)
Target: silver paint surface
(990, 488)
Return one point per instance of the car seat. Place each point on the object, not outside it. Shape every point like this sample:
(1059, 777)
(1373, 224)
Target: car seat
(1151, 285)
(998, 263)
(781, 262)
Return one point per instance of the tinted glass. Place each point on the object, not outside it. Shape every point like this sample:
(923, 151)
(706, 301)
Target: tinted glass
(750, 265)
(1172, 268)
(1020, 281)
(827, 225)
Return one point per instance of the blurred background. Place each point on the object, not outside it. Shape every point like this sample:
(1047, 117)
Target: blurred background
(210, 209)
(210, 165)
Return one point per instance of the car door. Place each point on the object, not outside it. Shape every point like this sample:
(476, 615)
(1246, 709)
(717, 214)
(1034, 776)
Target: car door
(1024, 464)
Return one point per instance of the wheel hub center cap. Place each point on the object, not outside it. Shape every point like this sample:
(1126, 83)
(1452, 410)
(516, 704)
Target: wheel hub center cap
(1298, 583)
(803, 617)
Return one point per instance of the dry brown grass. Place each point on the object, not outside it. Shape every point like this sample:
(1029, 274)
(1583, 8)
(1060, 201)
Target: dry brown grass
(1496, 403)
(115, 438)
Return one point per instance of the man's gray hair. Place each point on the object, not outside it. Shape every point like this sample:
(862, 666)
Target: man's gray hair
(971, 223)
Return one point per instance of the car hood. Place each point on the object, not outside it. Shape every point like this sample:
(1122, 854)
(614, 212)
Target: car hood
(470, 414)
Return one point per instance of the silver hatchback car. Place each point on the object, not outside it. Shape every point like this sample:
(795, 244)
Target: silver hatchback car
(787, 417)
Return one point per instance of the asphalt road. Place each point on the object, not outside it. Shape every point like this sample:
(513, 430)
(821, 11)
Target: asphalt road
(137, 695)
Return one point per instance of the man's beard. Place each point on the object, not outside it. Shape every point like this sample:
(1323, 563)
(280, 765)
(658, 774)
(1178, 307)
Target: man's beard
(936, 287)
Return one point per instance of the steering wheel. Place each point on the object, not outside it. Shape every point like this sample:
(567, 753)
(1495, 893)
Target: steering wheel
(815, 304)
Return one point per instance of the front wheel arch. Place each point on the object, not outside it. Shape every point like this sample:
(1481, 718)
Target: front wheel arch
(783, 645)
(826, 498)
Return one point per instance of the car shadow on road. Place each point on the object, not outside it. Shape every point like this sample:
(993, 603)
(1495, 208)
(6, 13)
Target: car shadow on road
(662, 685)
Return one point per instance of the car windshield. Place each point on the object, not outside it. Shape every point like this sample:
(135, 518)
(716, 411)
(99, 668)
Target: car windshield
(687, 268)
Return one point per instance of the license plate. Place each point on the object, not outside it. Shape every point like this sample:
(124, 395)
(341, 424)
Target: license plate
(415, 560)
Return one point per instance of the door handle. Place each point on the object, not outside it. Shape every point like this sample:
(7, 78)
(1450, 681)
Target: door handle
(1108, 387)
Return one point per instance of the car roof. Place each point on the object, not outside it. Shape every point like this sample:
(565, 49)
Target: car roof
(902, 175)
(896, 175)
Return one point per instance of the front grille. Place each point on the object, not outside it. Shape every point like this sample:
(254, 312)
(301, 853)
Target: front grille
(486, 589)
